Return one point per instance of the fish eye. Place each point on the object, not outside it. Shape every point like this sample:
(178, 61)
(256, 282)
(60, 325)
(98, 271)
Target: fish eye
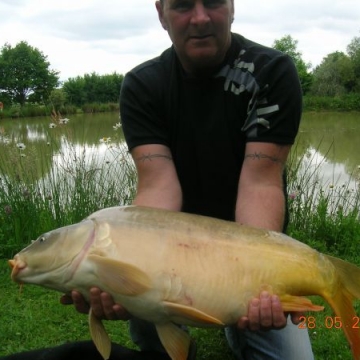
(42, 239)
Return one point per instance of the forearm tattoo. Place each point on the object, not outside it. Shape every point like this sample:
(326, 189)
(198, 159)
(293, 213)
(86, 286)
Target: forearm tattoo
(149, 157)
(259, 156)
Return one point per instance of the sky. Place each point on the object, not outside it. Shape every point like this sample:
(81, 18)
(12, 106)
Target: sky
(106, 36)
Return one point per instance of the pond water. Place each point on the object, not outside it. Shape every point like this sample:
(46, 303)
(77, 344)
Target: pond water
(328, 142)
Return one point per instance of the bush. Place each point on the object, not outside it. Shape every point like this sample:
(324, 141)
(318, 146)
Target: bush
(349, 102)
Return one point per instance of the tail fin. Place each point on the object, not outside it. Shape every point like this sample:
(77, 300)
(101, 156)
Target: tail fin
(342, 302)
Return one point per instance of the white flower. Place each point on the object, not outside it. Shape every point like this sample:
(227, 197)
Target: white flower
(52, 125)
(21, 146)
(105, 140)
(117, 126)
(64, 121)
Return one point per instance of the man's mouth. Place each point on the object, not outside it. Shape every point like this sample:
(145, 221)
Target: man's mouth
(200, 37)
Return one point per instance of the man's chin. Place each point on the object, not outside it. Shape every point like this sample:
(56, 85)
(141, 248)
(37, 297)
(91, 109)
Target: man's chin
(205, 58)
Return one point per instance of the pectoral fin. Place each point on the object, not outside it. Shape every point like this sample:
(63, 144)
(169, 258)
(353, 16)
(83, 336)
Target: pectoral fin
(298, 303)
(178, 311)
(119, 277)
(99, 336)
(175, 340)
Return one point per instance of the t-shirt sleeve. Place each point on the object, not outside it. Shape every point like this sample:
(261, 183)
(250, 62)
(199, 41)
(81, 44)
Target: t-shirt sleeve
(141, 111)
(274, 111)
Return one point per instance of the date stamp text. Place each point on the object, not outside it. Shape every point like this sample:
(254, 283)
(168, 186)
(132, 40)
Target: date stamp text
(330, 322)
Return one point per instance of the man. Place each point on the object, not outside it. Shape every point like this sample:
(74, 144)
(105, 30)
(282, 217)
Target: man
(210, 124)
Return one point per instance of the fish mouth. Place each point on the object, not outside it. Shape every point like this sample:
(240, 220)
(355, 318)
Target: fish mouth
(16, 265)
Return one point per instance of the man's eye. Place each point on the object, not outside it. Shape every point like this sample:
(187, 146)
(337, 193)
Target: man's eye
(188, 5)
(182, 5)
(214, 3)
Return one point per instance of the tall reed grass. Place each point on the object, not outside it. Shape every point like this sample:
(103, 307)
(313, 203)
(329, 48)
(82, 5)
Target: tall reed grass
(325, 216)
(60, 185)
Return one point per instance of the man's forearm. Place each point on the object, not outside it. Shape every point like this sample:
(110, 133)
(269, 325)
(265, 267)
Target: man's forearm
(261, 206)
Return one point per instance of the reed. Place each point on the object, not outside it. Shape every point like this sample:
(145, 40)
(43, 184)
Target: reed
(60, 185)
(325, 216)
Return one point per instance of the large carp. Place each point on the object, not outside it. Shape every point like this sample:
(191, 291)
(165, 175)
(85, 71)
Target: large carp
(170, 267)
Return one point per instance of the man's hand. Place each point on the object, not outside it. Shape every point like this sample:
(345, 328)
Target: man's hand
(266, 313)
(102, 304)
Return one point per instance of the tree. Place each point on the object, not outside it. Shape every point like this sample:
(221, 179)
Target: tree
(353, 49)
(75, 90)
(334, 76)
(93, 88)
(24, 71)
(288, 46)
(57, 98)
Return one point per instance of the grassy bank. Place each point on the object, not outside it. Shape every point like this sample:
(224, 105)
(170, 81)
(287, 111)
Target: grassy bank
(34, 110)
(349, 102)
(41, 192)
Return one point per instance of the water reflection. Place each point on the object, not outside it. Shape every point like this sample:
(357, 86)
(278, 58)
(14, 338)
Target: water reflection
(328, 142)
(48, 148)
(335, 136)
(330, 174)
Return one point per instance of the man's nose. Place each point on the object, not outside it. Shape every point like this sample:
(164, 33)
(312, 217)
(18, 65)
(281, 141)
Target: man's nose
(200, 15)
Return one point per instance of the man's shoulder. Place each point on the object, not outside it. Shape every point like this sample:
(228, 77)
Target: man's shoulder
(255, 50)
(155, 68)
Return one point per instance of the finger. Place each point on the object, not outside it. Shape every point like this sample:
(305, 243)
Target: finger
(66, 299)
(111, 310)
(266, 309)
(243, 323)
(254, 315)
(79, 302)
(278, 316)
(296, 317)
(121, 312)
(108, 306)
(96, 303)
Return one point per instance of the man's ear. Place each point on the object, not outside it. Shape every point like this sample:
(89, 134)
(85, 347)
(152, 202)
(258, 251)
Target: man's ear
(232, 10)
(160, 11)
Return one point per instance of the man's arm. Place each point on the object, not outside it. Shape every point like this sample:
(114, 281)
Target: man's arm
(261, 203)
(158, 184)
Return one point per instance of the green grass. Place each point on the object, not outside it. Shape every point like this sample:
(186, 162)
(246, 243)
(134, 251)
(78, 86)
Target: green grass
(35, 110)
(34, 318)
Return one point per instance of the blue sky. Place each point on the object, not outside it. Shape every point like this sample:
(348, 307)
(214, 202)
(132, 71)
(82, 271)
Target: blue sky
(104, 36)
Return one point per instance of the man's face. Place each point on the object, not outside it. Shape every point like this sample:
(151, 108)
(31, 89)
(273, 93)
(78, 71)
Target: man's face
(199, 30)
